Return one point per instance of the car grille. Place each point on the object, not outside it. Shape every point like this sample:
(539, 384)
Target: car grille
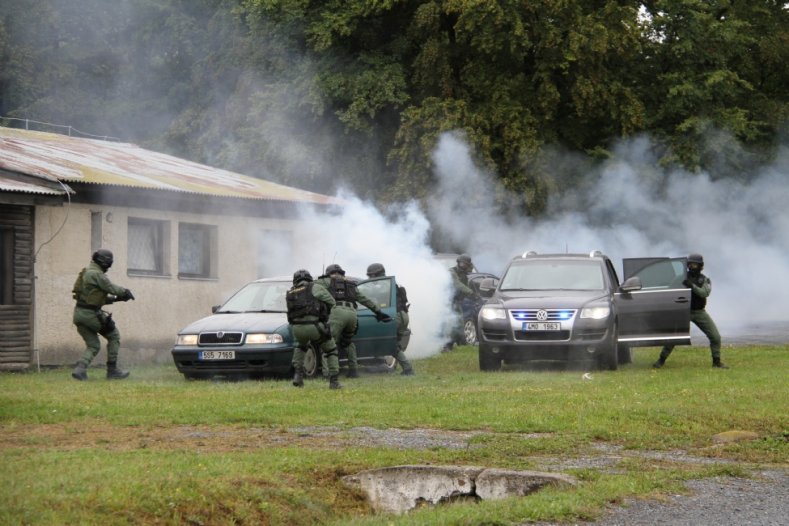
(542, 335)
(220, 338)
(550, 314)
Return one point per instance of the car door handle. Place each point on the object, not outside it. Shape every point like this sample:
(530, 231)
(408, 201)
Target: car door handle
(681, 299)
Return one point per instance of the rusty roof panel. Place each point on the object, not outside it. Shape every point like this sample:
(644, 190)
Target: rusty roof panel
(101, 162)
(29, 187)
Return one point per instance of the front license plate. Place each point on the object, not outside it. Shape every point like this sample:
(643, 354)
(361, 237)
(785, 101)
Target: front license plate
(542, 326)
(217, 355)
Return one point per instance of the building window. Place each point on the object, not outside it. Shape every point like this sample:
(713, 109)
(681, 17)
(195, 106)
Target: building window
(197, 249)
(147, 250)
(95, 231)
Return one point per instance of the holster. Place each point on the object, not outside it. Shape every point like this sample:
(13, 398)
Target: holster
(107, 323)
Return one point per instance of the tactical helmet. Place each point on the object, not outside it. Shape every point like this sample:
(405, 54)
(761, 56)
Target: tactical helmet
(301, 275)
(464, 262)
(103, 258)
(696, 258)
(334, 268)
(376, 270)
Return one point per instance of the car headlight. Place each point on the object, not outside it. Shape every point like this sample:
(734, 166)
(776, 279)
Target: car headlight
(263, 338)
(186, 339)
(490, 312)
(596, 313)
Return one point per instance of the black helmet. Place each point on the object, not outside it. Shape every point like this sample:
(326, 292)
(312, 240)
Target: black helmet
(301, 275)
(334, 268)
(464, 263)
(103, 258)
(376, 270)
(696, 258)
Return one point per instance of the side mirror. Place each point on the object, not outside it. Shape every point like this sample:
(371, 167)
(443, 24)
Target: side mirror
(631, 284)
(215, 308)
(486, 287)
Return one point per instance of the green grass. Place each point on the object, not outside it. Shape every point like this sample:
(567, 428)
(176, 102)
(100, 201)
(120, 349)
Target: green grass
(158, 449)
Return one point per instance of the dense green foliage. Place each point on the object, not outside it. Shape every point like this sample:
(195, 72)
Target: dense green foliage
(315, 93)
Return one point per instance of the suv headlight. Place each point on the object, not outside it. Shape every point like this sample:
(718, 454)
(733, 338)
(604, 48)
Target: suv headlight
(492, 312)
(263, 338)
(186, 339)
(599, 312)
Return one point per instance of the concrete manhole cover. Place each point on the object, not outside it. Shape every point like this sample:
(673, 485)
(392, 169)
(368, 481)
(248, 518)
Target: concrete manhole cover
(398, 489)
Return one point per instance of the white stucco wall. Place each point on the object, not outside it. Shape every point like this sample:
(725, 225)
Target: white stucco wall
(163, 305)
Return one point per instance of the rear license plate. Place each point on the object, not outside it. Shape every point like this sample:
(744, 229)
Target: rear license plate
(217, 355)
(542, 326)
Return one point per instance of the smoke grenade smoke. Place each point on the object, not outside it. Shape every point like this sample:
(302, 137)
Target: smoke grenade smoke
(633, 208)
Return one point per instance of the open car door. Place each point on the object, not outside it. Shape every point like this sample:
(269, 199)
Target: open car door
(659, 312)
(376, 339)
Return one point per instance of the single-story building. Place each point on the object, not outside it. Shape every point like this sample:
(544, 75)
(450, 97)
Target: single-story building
(184, 235)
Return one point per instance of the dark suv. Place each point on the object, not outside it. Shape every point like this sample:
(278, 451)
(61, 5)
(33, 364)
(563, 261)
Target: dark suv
(568, 307)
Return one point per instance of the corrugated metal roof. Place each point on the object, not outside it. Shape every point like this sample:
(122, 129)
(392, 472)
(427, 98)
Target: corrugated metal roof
(73, 159)
(11, 185)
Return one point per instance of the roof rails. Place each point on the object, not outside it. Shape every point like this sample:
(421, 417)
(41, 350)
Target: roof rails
(528, 254)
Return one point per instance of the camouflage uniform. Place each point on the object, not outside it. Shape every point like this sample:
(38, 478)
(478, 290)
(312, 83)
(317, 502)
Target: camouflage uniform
(93, 290)
(462, 291)
(701, 287)
(343, 321)
(310, 330)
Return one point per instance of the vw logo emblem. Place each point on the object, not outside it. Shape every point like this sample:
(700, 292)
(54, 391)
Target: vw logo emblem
(220, 335)
(542, 315)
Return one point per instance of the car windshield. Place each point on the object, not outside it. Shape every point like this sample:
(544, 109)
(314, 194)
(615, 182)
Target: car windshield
(554, 275)
(266, 296)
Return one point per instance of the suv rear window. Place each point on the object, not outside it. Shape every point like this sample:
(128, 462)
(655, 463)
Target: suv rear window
(554, 275)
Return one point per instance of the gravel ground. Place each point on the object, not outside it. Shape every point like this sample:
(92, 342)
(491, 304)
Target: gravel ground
(760, 501)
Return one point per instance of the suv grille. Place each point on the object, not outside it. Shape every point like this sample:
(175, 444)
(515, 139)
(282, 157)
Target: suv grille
(220, 338)
(549, 314)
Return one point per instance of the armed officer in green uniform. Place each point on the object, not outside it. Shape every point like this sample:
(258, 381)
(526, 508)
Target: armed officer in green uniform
(93, 290)
(377, 270)
(700, 287)
(309, 304)
(461, 290)
(342, 319)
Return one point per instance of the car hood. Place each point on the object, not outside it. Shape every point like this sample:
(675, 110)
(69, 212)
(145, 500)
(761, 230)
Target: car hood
(245, 322)
(546, 299)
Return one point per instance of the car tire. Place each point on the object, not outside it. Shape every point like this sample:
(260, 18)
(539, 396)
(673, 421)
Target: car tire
(609, 357)
(390, 362)
(488, 361)
(624, 354)
(312, 363)
(470, 332)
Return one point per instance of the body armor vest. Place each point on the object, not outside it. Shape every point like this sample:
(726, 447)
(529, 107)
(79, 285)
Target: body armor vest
(402, 299)
(697, 302)
(90, 297)
(302, 303)
(342, 289)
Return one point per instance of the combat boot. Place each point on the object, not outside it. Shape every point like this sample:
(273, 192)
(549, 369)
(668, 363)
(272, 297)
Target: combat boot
(334, 382)
(298, 378)
(658, 364)
(80, 372)
(352, 373)
(716, 362)
(408, 372)
(113, 373)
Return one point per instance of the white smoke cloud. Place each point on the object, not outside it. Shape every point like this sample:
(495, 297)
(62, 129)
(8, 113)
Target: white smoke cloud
(637, 209)
(359, 234)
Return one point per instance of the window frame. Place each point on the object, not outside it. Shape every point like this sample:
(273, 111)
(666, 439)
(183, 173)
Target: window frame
(210, 250)
(161, 250)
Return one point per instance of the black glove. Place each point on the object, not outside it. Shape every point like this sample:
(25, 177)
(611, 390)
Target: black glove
(382, 316)
(128, 295)
(687, 283)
